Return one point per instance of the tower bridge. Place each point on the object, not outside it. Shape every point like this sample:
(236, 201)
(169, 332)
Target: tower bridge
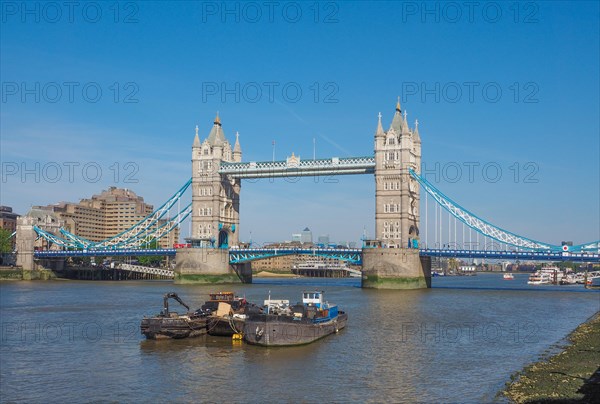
(399, 256)
(351, 255)
(217, 174)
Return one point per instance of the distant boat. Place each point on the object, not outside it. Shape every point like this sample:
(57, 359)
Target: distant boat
(593, 279)
(573, 278)
(508, 277)
(539, 278)
(546, 275)
(324, 269)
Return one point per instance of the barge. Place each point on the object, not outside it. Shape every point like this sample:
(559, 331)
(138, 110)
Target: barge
(286, 325)
(228, 313)
(169, 324)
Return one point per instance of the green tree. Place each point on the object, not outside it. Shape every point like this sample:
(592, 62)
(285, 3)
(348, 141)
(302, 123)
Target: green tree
(150, 260)
(6, 244)
(566, 264)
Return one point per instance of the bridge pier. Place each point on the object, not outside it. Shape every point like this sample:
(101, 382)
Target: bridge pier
(25, 241)
(395, 268)
(208, 266)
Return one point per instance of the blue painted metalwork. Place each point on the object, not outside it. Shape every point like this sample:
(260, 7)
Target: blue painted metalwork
(139, 229)
(294, 167)
(137, 236)
(54, 239)
(479, 225)
(80, 242)
(594, 246)
(146, 238)
(514, 255)
(102, 253)
(353, 256)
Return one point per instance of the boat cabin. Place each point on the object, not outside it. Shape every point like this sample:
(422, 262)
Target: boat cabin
(312, 298)
(221, 296)
(221, 299)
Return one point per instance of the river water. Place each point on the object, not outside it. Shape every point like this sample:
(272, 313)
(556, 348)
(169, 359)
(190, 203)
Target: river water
(72, 341)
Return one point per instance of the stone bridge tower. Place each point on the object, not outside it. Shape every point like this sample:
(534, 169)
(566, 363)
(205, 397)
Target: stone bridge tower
(396, 193)
(215, 214)
(215, 198)
(395, 262)
(27, 241)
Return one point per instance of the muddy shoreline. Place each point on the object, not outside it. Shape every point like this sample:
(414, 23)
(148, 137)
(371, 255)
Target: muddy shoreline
(570, 376)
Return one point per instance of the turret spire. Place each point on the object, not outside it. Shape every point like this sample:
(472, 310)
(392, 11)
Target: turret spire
(405, 123)
(237, 147)
(397, 119)
(216, 137)
(379, 131)
(196, 139)
(416, 136)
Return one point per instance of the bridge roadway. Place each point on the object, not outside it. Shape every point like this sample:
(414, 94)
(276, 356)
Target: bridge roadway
(240, 255)
(294, 167)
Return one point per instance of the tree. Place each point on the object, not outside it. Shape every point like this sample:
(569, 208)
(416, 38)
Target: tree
(6, 245)
(150, 260)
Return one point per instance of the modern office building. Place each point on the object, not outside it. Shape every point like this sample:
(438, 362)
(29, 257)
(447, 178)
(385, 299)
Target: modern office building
(306, 237)
(323, 239)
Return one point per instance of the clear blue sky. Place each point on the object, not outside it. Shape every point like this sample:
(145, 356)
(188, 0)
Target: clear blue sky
(351, 61)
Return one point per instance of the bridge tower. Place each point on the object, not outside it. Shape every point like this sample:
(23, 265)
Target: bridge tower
(27, 241)
(394, 263)
(215, 211)
(215, 198)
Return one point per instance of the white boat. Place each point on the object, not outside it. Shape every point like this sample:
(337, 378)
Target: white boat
(326, 269)
(593, 279)
(546, 275)
(508, 277)
(539, 278)
(569, 279)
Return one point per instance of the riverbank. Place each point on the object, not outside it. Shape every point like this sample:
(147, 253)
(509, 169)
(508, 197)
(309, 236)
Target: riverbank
(573, 375)
(18, 274)
(267, 274)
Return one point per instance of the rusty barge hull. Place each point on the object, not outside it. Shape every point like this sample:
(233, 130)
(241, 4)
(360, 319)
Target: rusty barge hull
(224, 327)
(272, 330)
(172, 328)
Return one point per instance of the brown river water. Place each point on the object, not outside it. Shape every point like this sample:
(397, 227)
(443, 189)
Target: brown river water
(77, 341)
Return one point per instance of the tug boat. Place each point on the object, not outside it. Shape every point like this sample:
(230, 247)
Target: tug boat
(169, 324)
(283, 324)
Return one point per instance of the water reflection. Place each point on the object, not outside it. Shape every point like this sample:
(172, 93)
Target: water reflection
(457, 342)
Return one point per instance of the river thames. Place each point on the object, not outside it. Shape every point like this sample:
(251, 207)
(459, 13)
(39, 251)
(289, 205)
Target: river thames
(75, 341)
